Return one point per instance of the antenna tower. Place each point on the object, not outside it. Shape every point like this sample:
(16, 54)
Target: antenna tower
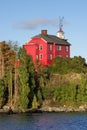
(61, 22)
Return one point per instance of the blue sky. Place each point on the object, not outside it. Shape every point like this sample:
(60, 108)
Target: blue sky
(22, 19)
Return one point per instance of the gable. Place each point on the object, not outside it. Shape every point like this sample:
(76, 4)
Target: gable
(36, 40)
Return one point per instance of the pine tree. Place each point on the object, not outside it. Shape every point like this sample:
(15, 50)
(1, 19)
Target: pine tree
(2, 93)
(23, 81)
(7, 68)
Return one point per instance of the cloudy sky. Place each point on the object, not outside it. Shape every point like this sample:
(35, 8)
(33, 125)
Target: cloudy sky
(22, 19)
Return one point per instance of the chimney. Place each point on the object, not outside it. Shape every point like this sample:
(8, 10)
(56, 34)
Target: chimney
(44, 32)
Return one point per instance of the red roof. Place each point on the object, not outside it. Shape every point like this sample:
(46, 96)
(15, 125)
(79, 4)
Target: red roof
(60, 30)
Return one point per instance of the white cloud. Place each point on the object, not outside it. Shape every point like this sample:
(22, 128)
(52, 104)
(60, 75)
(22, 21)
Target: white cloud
(38, 22)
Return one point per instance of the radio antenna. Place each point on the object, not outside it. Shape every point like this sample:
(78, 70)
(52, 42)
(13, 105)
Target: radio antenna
(61, 19)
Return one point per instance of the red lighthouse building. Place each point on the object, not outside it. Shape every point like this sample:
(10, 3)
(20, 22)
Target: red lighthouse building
(44, 47)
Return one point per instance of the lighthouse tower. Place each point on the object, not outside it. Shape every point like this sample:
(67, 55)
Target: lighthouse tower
(60, 33)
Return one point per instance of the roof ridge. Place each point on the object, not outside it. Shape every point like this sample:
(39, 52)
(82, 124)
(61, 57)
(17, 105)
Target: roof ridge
(52, 39)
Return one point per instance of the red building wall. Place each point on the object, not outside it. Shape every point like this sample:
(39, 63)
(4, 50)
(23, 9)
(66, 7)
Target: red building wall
(54, 52)
(33, 48)
(63, 52)
(49, 50)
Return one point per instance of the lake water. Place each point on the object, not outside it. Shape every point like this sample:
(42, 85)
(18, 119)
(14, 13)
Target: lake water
(44, 121)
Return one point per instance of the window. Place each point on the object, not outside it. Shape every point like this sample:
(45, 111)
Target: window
(40, 47)
(50, 56)
(50, 47)
(58, 47)
(37, 57)
(40, 56)
(67, 56)
(59, 55)
(67, 48)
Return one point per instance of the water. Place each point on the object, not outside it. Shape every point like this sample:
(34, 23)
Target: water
(44, 121)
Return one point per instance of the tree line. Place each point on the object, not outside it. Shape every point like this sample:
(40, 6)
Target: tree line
(24, 85)
(68, 85)
(20, 83)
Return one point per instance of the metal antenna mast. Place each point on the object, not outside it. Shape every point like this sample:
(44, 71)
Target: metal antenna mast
(61, 22)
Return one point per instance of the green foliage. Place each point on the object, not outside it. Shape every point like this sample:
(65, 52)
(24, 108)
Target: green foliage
(68, 65)
(34, 103)
(39, 98)
(2, 93)
(34, 86)
(23, 88)
(7, 68)
(72, 93)
(82, 90)
(23, 75)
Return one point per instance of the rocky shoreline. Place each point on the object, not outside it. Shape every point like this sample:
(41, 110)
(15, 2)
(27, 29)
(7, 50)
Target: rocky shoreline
(64, 109)
(82, 108)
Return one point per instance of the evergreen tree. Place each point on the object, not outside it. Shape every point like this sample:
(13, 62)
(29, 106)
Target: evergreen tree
(7, 69)
(2, 93)
(26, 79)
(23, 87)
(23, 75)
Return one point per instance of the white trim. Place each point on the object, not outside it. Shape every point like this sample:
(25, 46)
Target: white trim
(50, 47)
(51, 56)
(40, 47)
(44, 40)
(58, 48)
(40, 56)
(37, 57)
(59, 55)
(67, 48)
(32, 43)
(67, 56)
(29, 40)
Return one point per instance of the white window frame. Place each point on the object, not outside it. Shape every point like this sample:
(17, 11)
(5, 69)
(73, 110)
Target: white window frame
(40, 56)
(67, 56)
(58, 47)
(40, 47)
(59, 55)
(37, 57)
(67, 48)
(50, 47)
(51, 56)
